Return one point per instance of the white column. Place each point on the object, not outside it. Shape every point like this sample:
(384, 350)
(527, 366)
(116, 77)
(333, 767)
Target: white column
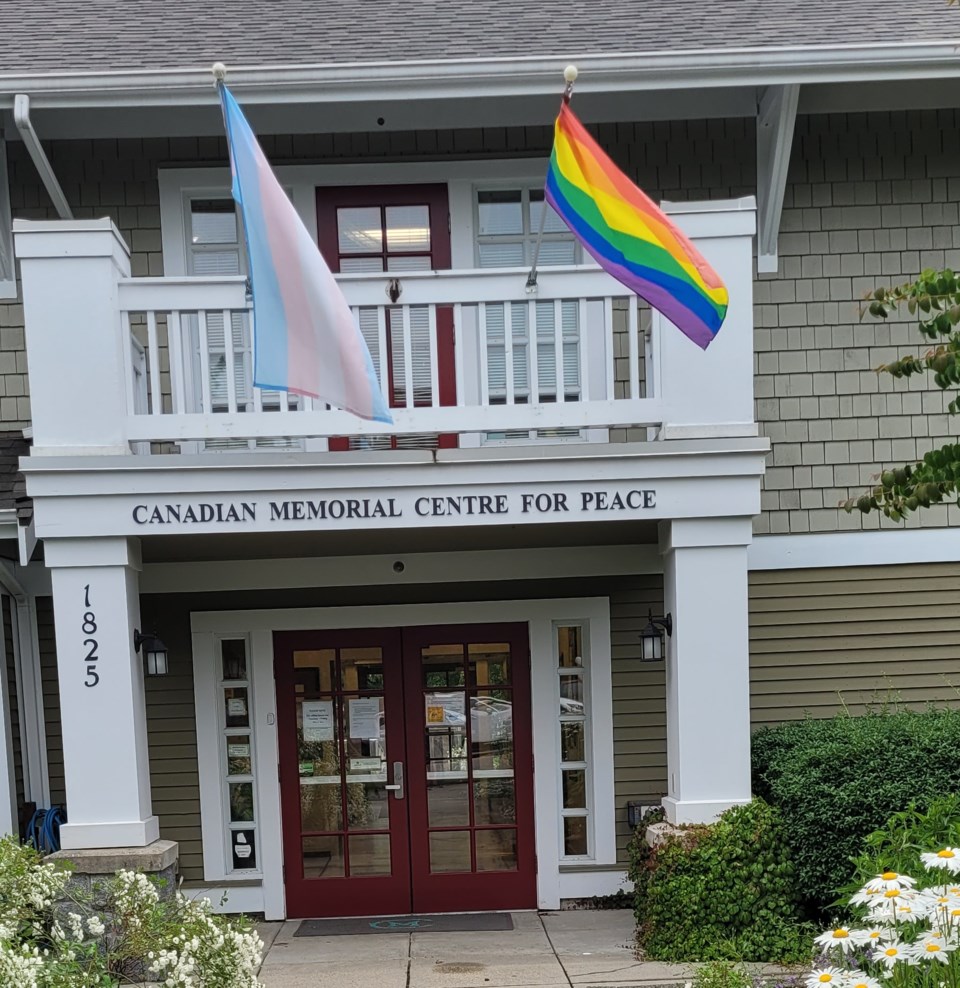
(9, 824)
(70, 272)
(708, 667)
(709, 393)
(103, 714)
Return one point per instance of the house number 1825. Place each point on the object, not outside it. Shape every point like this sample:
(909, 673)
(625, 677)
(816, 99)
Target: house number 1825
(90, 644)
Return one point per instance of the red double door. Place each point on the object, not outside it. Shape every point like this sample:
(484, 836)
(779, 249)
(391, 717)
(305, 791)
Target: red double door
(406, 770)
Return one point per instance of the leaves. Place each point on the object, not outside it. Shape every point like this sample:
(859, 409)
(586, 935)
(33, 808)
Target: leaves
(836, 781)
(723, 891)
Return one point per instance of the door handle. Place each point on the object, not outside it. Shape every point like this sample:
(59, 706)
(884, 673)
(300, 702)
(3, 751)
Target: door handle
(397, 787)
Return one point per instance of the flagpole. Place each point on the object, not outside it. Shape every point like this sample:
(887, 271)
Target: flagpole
(570, 74)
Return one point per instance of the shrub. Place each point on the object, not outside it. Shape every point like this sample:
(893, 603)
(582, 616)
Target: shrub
(836, 781)
(898, 844)
(719, 891)
(904, 930)
(46, 942)
(721, 974)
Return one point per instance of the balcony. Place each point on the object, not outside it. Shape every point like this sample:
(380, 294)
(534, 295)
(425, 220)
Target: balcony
(466, 358)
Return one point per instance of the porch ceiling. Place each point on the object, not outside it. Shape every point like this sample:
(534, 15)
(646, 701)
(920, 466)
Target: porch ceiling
(289, 545)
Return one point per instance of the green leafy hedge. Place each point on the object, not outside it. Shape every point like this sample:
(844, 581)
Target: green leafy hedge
(723, 890)
(836, 781)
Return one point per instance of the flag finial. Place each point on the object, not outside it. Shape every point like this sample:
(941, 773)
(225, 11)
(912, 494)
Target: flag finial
(219, 71)
(570, 74)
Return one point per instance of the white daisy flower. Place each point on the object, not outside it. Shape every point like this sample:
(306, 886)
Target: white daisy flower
(946, 857)
(841, 937)
(825, 977)
(857, 979)
(865, 897)
(891, 880)
(873, 935)
(932, 948)
(892, 953)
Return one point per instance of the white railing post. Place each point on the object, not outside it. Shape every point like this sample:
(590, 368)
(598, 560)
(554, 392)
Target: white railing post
(709, 393)
(70, 270)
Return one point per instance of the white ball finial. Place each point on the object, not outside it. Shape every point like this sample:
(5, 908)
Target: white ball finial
(219, 71)
(570, 73)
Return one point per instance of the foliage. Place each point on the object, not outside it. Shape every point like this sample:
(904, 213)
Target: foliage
(898, 844)
(934, 300)
(138, 934)
(836, 781)
(719, 891)
(721, 974)
(905, 931)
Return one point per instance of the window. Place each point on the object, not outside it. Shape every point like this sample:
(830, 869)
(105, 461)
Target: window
(215, 249)
(8, 279)
(575, 769)
(237, 755)
(508, 223)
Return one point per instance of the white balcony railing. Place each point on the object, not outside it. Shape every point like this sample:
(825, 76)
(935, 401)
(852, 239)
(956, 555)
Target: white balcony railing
(121, 364)
(188, 379)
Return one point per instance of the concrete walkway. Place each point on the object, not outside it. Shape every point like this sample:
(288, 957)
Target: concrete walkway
(551, 950)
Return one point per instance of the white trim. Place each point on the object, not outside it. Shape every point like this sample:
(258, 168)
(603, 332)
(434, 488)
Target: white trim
(586, 884)
(8, 779)
(8, 276)
(776, 119)
(459, 79)
(833, 549)
(239, 898)
(540, 615)
(418, 567)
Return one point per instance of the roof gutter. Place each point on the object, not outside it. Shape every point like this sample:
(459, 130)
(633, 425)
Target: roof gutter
(497, 77)
(21, 117)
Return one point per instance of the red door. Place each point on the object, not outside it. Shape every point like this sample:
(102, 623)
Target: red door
(395, 229)
(406, 770)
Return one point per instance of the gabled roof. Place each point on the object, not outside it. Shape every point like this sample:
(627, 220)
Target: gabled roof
(102, 35)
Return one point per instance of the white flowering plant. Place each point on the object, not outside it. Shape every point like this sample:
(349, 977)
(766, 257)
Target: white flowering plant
(48, 940)
(906, 932)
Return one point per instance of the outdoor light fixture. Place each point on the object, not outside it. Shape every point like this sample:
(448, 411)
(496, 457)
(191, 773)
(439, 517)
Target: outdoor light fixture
(154, 653)
(651, 638)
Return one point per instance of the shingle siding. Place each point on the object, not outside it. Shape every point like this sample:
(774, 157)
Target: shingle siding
(871, 198)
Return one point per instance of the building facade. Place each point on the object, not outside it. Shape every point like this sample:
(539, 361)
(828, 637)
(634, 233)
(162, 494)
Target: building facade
(407, 670)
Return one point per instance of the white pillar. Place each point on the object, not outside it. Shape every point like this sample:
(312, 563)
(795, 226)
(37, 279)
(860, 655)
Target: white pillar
(96, 609)
(70, 271)
(708, 667)
(9, 824)
(709, 393)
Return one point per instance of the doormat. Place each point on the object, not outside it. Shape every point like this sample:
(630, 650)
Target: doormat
(447, 923)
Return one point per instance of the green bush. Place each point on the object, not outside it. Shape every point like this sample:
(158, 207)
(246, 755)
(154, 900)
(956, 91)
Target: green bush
(836, 781)
(897, 845)
(719, 891)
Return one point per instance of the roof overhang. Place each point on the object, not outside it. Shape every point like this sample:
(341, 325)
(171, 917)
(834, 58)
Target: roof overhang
(458, 79)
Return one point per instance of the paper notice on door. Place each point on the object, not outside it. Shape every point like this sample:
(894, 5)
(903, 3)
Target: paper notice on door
(445, 709)
(364, 718)
(236, 707)
(317, 720)
(238, 750)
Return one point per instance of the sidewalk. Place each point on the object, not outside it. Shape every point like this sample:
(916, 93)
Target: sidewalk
(552, 950)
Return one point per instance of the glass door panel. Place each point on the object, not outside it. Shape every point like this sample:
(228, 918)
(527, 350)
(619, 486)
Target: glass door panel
(345, 836)
(471, 829)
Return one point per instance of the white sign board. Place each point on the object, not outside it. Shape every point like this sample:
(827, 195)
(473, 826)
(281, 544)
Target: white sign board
(318, 720)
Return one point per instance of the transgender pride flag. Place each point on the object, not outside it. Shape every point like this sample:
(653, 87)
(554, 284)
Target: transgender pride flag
(305, 339)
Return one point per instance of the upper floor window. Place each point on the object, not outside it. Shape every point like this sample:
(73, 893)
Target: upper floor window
(508, 222)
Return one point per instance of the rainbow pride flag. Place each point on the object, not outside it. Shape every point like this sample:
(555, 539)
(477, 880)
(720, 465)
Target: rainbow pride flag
(629, 236)
(305, 339)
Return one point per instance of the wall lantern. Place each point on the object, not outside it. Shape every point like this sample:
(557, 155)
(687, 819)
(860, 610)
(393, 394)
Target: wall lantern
(154, 653)
(651, 638)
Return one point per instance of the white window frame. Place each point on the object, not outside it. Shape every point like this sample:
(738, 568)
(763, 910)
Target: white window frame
(541, 617)
(8, 264)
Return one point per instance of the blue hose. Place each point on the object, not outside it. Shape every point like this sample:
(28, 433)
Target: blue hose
(43, 831)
